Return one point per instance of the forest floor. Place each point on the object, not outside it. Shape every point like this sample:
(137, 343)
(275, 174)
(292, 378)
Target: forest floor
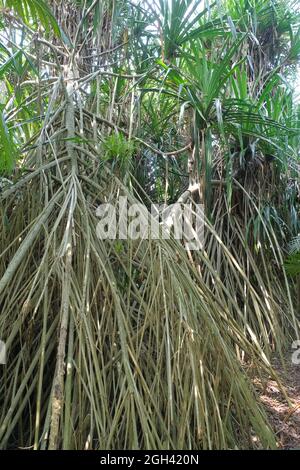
(284, 417)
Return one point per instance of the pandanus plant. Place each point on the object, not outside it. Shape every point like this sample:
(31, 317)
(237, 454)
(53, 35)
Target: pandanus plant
(127, 345)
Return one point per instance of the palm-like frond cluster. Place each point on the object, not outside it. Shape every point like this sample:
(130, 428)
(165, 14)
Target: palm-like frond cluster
(122, 344)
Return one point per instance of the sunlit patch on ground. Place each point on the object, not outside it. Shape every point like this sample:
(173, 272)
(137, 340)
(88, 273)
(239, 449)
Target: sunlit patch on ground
(284, 417)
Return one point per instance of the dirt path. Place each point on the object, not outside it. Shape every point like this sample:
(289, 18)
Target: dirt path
(283, 417)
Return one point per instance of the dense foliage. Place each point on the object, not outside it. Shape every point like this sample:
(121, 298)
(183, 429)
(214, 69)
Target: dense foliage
(135, 344)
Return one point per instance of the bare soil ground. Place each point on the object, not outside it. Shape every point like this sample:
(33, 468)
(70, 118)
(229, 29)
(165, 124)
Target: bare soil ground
(283, 413)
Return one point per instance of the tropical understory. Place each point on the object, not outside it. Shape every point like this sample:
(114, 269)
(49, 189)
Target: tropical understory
(145, 344)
